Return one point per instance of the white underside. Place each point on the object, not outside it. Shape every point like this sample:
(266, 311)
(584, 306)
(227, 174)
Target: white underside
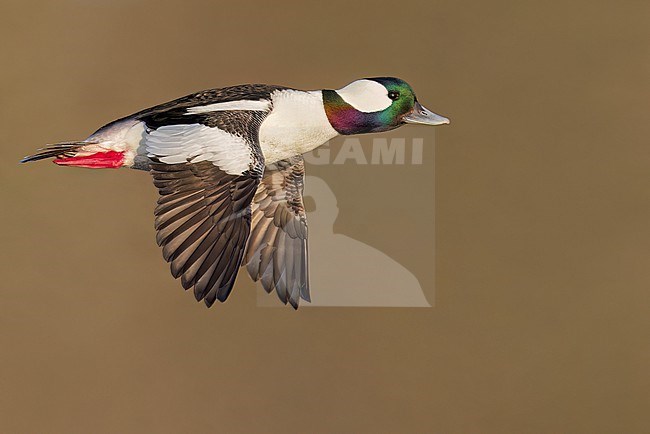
(124, 136)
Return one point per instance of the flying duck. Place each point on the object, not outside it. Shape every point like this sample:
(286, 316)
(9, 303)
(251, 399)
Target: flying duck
(229, 169)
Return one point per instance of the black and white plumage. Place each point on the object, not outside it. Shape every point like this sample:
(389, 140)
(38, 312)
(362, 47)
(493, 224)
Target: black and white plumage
(228, 166)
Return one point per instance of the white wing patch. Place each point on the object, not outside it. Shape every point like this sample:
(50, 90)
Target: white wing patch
(230, 105)
(366, 96)
(173, 144)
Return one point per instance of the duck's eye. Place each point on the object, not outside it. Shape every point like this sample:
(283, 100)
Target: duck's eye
(394, 95)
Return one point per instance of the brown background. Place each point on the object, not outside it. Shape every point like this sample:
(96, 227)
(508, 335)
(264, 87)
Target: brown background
(542, 198)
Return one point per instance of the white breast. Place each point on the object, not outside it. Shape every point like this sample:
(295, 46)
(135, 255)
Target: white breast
(297, 124)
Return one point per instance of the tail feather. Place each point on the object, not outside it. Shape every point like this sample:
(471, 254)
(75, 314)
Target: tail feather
(66, 149)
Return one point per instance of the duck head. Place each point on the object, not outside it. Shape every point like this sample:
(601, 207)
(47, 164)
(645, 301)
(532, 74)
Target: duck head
(373, 105)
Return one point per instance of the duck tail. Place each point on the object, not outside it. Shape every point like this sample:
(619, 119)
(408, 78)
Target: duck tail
(61, 150)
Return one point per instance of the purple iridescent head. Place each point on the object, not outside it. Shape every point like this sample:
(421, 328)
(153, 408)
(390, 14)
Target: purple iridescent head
(377, 104)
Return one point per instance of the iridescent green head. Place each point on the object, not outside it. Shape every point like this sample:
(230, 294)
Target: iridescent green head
(376, 104)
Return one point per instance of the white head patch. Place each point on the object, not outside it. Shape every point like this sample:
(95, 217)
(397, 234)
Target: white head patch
(366, 96)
